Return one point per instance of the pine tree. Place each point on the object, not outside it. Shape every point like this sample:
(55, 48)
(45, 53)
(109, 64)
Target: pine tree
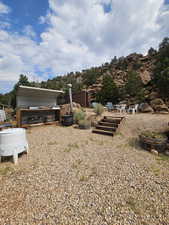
(109, 91)
(161, 71)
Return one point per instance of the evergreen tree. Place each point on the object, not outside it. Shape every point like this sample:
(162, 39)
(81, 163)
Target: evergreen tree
(109, 91)
(161, 71)
(152, 52)
(114, 60)
(133, 83)
(163, 82)
(134, 86)
(90, 76)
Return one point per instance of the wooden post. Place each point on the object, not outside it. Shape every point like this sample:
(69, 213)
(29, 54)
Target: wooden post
(18, 118)
(15, 158)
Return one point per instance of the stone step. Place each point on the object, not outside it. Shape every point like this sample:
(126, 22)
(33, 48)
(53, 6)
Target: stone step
(110, 133)
(108, 124)
(115, 121)
(114, 117)
(105, 128)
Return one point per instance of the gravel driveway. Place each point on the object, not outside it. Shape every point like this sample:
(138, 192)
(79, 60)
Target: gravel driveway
(72, 176)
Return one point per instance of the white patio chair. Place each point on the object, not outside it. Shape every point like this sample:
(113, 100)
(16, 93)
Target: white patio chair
(136, 108)
(94, 104)
(133, 109)
(118, 107)
(122, 108)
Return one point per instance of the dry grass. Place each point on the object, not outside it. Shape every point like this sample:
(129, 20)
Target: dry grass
(6, 170)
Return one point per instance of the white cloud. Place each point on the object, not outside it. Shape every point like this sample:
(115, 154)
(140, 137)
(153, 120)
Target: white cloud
(28, 31)
(80, 34)
(4, 8)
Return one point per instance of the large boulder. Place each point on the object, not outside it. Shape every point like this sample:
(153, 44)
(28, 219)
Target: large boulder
(159, 106)
(145, 108)
(167, 102)
(66, 109)
(76, 105)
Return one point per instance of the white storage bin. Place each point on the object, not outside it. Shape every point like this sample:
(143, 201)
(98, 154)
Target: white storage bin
(12, 142)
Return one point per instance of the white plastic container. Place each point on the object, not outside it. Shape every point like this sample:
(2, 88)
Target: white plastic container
(12, 142)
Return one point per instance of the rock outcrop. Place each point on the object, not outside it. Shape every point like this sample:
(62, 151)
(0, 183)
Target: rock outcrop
(159, 106)
(145, 108)
(145, 77)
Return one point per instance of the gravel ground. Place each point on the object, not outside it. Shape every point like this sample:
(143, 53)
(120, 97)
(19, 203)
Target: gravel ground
(72, 176)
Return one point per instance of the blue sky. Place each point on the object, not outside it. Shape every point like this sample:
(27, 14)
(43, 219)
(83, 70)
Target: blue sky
(27, 12)
(46, 38)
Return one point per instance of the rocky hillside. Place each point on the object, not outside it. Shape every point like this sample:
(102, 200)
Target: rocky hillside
(119, 70)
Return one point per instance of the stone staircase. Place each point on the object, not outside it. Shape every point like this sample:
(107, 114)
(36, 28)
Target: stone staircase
(108, 125)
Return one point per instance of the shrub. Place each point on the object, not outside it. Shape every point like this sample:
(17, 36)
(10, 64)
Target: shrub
(84, 124)
(98, 109)
(79, 115)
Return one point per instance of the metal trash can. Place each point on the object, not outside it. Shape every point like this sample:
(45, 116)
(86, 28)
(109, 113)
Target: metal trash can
(67, 120)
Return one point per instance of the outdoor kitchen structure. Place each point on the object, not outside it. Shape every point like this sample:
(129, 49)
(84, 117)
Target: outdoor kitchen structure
(36, 106)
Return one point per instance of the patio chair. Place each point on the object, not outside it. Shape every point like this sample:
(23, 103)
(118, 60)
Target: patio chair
(117, 107)
(136, 108)
(122, 108)
(94, 104)
(109, 106)
(133, 109)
